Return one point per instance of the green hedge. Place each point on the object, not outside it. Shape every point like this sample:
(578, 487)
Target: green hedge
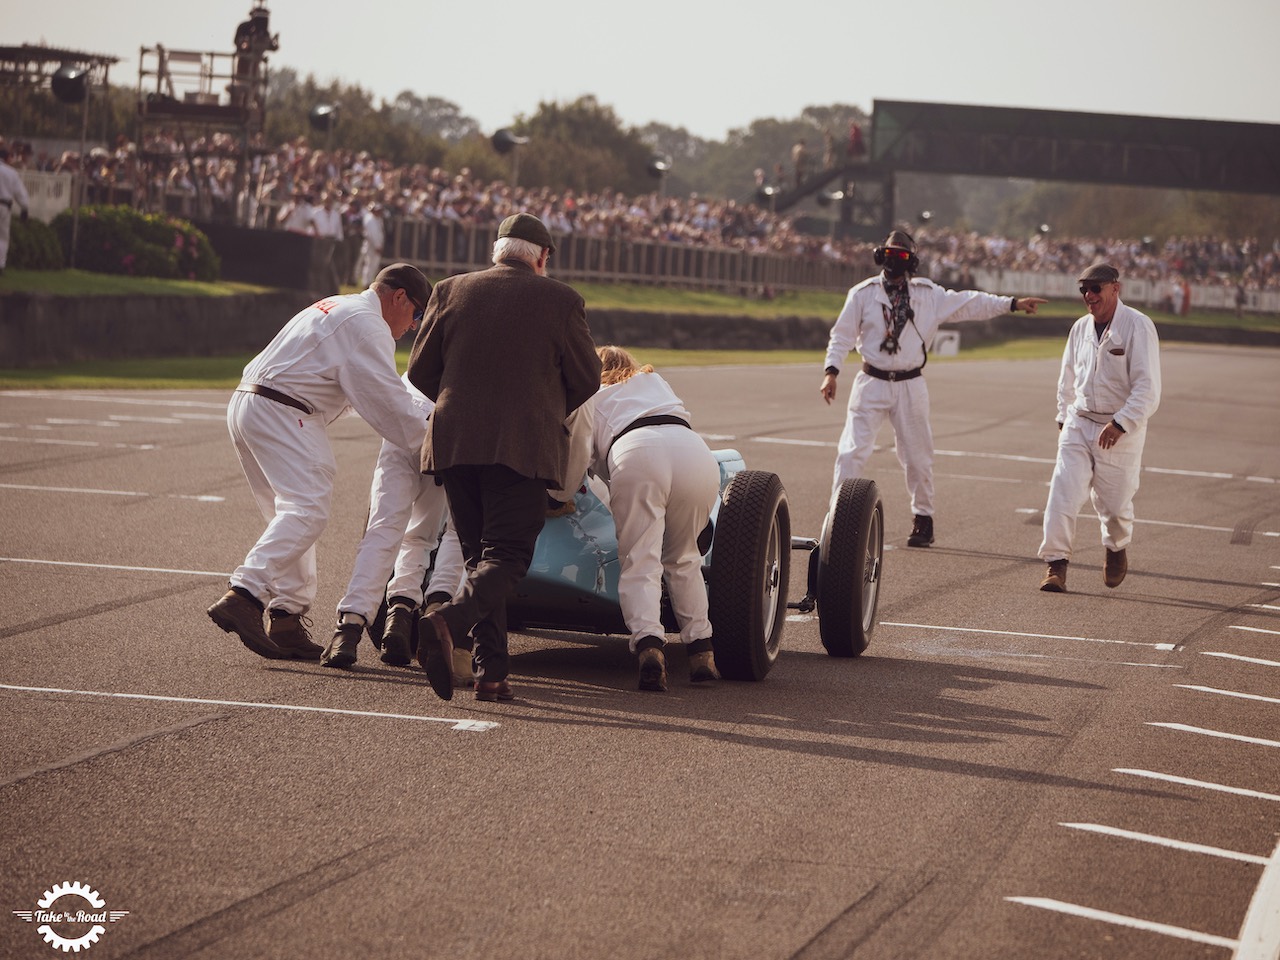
(33, 245)
(122, 240)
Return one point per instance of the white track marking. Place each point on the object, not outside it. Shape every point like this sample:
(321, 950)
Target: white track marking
(1158, 523)
(1203, 784)
(112, 566)
(1014, 633)
(992, 456)
(468, 725)
(1011, 655)
(1168, 842)
(1265, 606)
(795, 443)
(1118, 919)
(970, 476)
(1262, 480)
(1215, 733)
(1254, 630)
(60, 422)
(130, 401)
(81, 443)
(1260, 932)
(1210, 475)
(202, 498)
(1228, 693)
(121, 418)
(1236, 656)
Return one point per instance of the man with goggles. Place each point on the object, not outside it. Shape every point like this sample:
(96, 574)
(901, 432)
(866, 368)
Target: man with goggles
(891, 319)
(335, 355)
(1108, 388)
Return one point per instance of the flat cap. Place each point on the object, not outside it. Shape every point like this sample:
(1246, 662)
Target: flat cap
(406, 277)
(525, 226)
(1100, 273)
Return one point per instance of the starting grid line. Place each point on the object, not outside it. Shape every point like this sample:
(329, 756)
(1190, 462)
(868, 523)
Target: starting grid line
(113, 566)
(200, 498)
(1034, 636)
(469, 726)
(1088, 913)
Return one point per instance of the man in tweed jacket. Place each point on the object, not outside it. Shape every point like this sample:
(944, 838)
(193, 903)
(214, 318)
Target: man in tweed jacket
(506, 355)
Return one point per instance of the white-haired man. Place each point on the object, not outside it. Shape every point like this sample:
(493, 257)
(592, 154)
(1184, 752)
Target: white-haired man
(506, 355)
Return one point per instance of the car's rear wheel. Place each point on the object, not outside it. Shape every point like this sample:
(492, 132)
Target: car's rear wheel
(750, 573)
(849, 567)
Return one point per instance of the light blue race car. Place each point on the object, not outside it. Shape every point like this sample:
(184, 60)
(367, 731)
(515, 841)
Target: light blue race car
(572, 583)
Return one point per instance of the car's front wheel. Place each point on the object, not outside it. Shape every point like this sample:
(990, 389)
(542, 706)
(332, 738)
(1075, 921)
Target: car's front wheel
(750, 573)
(851, 552)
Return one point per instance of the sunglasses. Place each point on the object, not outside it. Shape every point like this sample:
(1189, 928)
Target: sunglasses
(418, 311)
(1091, 288)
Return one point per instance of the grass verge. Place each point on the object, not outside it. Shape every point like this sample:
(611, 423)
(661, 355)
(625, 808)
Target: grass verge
(223, 373)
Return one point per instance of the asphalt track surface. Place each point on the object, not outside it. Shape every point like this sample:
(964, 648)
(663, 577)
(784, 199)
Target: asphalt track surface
(1004, 774)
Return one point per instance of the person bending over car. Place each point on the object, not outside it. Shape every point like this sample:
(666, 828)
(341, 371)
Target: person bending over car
(663, 481)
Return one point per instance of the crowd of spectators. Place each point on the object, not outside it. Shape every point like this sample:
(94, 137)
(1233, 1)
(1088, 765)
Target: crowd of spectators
(1201, 260)
(330, 192)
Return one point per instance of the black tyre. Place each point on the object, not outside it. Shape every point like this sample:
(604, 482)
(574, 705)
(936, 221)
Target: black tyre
(750, 573)
(850, 560)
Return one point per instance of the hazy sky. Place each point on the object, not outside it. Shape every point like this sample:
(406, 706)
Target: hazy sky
(712, 67)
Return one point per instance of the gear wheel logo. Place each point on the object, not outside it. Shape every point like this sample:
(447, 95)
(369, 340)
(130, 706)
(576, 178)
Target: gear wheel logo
(65, 924)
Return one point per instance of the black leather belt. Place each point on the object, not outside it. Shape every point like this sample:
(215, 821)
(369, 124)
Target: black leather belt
(275, 395)
(654, 421)
(891, 375)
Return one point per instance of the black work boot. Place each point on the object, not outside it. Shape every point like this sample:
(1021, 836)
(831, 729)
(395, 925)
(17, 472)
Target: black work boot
(397, 634)
(921, 531)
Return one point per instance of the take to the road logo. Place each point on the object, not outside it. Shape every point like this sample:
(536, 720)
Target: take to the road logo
(72, 916)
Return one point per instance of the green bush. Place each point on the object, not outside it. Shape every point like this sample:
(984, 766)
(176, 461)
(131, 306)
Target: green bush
(33, 245)
(123, 240)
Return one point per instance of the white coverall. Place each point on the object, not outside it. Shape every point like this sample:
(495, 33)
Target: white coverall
(1117, 378)
(663, 482)
(407, 511)
(862, 326)
(336, 354)
(13, 193)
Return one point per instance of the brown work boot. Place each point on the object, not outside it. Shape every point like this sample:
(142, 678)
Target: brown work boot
(653, 665)
(289, 632)
(236, 613)
(493, 691)
(702, 662)
(1117, 567)
(463, 672)
(1055, 578)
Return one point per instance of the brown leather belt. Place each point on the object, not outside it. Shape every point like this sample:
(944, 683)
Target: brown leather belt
(275, 395)
(891, 375)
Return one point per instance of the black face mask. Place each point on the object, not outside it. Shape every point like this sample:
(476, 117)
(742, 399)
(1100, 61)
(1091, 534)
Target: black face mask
(895, 269)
